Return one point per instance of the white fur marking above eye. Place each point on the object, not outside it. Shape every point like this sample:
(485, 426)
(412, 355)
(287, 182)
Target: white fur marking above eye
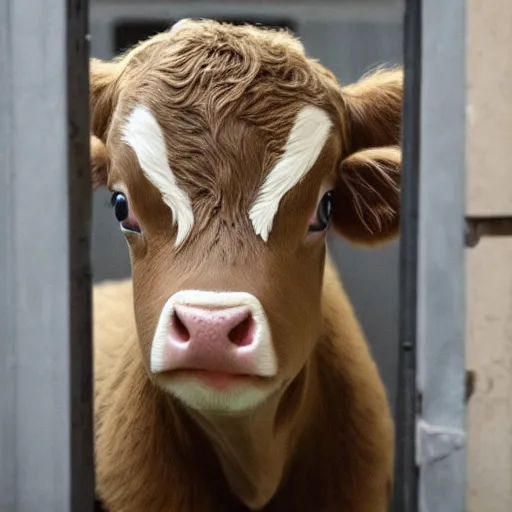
(143, 133)
(304, 145)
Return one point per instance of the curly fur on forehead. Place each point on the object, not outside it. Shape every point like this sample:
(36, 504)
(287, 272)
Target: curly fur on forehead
(215, 70)
(226, 98)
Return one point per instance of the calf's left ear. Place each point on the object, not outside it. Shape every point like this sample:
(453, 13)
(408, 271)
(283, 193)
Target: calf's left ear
(367, 191)
(103, 97)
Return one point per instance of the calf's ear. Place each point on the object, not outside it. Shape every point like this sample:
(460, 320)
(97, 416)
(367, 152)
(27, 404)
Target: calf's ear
(103, 92)
(367, 190)
(99, 163)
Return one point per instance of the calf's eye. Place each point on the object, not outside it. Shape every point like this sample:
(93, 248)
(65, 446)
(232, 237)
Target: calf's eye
(323, 213)
(121, 208)
(120, 205)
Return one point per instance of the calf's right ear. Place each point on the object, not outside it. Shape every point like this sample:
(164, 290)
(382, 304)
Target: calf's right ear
(103, 91)
(367, 192)
(99, 163)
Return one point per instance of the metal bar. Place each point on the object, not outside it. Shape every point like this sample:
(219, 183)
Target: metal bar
(80, 279)
(45, 386)
(8, 498)
(441, 271)
(405, 493)
(476, 227)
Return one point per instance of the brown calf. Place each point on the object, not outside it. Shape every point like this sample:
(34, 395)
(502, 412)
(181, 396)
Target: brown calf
(232, 374)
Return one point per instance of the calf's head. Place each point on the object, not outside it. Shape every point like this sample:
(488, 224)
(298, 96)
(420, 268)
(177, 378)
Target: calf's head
(229, 153)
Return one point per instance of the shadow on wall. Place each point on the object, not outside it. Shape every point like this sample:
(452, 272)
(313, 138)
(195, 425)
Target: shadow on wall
(129, 32)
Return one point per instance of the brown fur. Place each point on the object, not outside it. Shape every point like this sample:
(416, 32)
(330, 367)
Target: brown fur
(226, 98)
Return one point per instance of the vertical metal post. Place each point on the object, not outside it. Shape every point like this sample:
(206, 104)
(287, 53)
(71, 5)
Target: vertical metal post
(441, 271)
(406, 477)
(430, 469)
(46, 455)
(80, 278)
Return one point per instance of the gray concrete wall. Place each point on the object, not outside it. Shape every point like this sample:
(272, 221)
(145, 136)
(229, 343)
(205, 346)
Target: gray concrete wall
(349, 38)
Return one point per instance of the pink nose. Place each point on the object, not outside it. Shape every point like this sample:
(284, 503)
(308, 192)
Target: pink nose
(226, 332)
(212, 339)
(220, 328)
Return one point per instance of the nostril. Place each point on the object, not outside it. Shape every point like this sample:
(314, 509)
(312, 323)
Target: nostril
(178, 329)
(242, 333)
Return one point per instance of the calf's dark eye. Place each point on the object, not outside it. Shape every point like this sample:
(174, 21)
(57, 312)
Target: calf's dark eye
(323, 213)
(120, 205)
(325, 209)
(121, 208)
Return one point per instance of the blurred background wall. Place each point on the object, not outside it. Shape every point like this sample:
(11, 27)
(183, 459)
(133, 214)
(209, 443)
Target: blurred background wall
(349, 37)
(489, 265)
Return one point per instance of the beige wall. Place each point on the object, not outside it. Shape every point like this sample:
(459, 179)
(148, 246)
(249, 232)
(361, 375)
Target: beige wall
(489, 265)
(490, 354)
(489, 63)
